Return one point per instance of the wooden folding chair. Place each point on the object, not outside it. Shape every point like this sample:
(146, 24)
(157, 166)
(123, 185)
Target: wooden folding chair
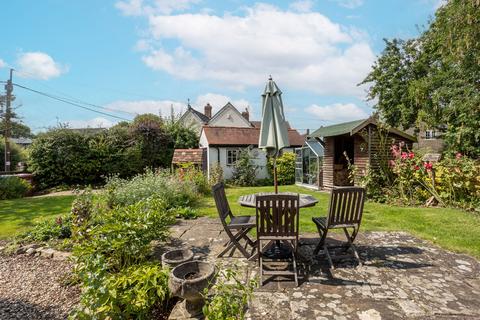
(277, 220)
(345, 211)
(238, 226)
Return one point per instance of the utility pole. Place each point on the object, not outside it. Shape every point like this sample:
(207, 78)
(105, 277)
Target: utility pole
(8, 114)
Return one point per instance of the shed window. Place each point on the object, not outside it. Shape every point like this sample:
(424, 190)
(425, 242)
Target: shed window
(429, 134)
(232, 156)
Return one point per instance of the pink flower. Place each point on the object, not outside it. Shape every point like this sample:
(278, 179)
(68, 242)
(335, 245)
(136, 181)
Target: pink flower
(411, 155)
(458, 155)
(391, 163)
(404, 155)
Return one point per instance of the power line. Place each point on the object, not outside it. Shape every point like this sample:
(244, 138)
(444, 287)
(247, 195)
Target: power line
(64, 100)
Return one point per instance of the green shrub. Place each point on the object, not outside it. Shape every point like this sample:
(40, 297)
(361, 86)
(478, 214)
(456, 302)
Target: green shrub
(195, 176)
(244, 170)
(185, 213)
(129, 294)
(124, 234)
(285, 168)
(173, 191)
(230, 297)
(52, 229)
(216, 174)
(12, 187)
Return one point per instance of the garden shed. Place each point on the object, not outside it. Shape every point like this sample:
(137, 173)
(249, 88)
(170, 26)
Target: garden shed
(365, 143)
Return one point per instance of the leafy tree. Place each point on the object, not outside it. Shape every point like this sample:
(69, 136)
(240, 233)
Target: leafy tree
(244, 170)
(435, 78)
(183, 137)
(156, 145)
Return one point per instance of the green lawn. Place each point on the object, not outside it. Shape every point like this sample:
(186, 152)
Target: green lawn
(452, 229)
(19, 214)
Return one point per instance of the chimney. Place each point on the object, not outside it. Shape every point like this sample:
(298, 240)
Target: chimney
(208, 110)
(246, 114)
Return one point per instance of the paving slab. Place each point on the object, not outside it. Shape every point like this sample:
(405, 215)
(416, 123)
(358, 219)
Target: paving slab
(402, 277)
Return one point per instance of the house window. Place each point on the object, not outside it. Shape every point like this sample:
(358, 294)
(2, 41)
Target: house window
(430, 134)
(232, 156)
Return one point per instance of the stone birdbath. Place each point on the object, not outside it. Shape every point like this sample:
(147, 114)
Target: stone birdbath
(173, 258)
(188, 281)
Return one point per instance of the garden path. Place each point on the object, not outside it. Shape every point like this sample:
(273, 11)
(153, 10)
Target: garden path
(402, 278)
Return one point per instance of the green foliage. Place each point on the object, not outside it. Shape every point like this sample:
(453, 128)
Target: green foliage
(244, 170)
(17, 154)
(12, 187)
(434, 78)
(156, 145)
(285, 168)
(52, 229)
(195, 176)
(174, 191)
(123, 235)
(81, 212)
(230, 297)
(216, 174)
(17, 129)
(183, 137)
(129, 294)
(62, 156)
(185, 212)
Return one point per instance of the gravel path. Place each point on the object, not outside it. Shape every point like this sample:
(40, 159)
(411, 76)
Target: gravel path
(30, 288)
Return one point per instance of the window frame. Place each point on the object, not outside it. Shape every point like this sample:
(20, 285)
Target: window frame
(228, 157)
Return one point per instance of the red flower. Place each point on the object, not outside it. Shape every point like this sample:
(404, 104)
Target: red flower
(416, 167)
(404, 155)
(458, 155)
(428, 166)
(411, 155)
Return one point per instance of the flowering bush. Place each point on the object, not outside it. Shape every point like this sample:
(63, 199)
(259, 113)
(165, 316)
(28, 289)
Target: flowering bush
(455, 180)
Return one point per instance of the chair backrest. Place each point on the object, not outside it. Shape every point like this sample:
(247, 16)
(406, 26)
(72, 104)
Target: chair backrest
(346, 205)
(277, 215)
(221, 202)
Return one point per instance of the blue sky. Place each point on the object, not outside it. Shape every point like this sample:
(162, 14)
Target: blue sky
(135, 56)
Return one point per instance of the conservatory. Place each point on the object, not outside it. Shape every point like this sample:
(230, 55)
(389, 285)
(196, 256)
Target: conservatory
(308, 164)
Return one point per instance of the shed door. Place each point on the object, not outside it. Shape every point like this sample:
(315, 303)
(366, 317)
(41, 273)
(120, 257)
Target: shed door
(298, 165)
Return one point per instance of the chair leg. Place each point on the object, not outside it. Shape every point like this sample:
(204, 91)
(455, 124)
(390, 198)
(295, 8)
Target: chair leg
(350, 239)
(329, 258)
(295, 273)
(323, 236)
(235, 244)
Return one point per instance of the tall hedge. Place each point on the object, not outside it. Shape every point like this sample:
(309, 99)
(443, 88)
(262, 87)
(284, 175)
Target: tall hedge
(68, 157)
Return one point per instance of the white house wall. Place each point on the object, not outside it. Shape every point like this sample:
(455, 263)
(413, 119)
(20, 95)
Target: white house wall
(189, 120)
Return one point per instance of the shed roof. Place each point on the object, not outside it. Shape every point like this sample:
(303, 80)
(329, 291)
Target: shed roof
(188, 156)
(237, 136)
(336, 129)
(353, 127)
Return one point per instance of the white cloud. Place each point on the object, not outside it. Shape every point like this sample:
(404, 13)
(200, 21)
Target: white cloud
(301, 50)
(98, 122)
(39, 65)
(301, 5)
(217, 101)
(159, 107)
(163, 107)
(337, 112)
(141, 7)
(350, 4)
(2, 63)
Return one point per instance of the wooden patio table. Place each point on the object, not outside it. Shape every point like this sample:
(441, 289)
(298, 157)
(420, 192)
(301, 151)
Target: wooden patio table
(248, 200)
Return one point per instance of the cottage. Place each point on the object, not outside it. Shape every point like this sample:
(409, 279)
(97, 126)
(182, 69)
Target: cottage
(223, 145)
(360, 142)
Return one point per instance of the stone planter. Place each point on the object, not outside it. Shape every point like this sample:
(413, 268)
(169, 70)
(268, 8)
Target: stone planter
(173, 258)
(188, 282)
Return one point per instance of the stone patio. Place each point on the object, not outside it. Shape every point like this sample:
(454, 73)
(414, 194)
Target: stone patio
(402, 277)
